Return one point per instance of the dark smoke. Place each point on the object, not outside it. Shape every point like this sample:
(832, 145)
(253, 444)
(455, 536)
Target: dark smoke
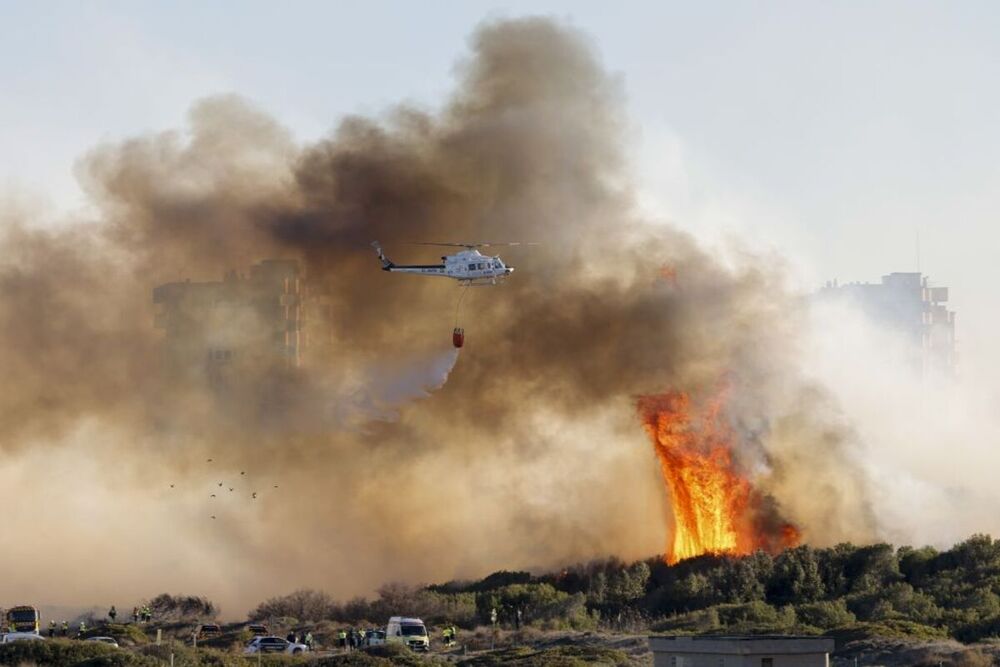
(530, 454)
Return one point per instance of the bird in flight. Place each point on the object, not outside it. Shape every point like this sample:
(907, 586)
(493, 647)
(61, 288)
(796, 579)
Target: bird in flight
(213, 495)
(171, 486)
(213, 516)
(254, 495)
(209, 461)
(230, 489)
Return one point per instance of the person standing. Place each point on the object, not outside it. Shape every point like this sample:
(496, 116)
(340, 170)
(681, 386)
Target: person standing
(309, 640)
(135, 614)
(65, 628)
(112, 613)
(342, 639)
(52, 628)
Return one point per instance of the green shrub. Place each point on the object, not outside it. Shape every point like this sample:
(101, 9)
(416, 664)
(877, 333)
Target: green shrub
(70, 653)
(703, 620)
(826, 614)
(756, 612)
(899, 629)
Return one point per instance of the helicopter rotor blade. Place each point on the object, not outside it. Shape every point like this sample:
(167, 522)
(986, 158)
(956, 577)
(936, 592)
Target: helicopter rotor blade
(473, 245)
(448, 245)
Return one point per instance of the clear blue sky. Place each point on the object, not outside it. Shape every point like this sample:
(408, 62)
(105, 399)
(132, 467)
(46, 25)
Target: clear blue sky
(833, 132)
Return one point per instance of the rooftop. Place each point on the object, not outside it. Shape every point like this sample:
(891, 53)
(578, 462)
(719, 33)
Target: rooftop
(742, 644)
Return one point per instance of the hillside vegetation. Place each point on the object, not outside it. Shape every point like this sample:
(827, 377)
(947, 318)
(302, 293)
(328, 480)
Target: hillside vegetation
(898, 606)
(853, 590)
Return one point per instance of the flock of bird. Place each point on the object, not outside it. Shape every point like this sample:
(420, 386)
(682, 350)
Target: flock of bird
(253, 494)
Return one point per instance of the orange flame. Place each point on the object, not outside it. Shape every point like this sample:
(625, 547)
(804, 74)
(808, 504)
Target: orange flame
(714, 507)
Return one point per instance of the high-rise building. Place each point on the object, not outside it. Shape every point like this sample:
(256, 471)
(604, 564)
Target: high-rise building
(234, 326)
(907, 304)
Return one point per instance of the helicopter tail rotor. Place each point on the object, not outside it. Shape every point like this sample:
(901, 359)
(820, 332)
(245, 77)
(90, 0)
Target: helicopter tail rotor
(386, 264)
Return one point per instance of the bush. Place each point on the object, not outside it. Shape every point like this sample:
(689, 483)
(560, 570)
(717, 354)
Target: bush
(124, 634)
(825, 615)
(703, 620)
(185, 656)
(166, 607)
(69, 653)
(538, 604)
(751, 613)
(892, 629)
(303, 605)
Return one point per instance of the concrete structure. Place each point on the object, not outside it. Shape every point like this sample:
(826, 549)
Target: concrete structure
(240, 325)
(909, 305)
(760, 651)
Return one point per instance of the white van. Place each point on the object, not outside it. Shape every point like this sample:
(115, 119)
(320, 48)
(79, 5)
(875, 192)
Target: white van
(409, 631)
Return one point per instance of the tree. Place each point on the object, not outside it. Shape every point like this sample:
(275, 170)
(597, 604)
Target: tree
(627, 584)
(499, 579)
(871, 567)
(739, 580)
(979, 555)
(795, 577)
(825, 614)
(917, 565)
(303, 605)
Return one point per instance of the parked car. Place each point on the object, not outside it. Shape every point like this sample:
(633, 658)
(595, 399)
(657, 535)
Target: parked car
(20, 636)
(408, 631)
(375, 637)
(257, 629)
(273, 645)
(104, 640)
(206, 630)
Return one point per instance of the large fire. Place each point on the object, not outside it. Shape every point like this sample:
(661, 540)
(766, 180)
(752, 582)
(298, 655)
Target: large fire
(716, 509)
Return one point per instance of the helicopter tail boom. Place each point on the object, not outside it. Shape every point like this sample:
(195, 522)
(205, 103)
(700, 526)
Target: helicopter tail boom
(386, 264)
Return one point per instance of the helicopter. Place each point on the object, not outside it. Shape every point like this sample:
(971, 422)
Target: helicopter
(469, 267)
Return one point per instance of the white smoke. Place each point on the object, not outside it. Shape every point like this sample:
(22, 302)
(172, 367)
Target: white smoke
(924, 444)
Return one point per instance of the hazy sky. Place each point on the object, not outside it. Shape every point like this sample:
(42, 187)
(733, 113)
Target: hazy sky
(835, 133)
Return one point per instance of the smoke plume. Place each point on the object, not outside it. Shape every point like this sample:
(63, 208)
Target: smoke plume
(370, 461)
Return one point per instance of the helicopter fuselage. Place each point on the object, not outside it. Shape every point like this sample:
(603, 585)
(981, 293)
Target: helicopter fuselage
(469, 267)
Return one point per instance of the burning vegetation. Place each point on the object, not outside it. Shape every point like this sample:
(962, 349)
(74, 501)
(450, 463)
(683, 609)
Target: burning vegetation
(715, 507)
